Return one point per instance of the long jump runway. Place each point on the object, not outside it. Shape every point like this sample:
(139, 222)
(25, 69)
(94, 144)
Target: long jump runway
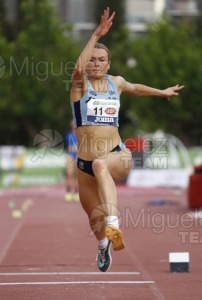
(48, 252)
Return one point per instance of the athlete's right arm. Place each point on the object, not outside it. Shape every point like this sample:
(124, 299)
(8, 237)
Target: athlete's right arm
(102, 29)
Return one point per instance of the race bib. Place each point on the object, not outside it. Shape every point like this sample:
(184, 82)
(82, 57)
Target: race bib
(103, 112)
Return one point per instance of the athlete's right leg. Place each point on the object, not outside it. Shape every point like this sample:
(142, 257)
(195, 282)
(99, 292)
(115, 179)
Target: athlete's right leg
(115, 166)
(96, 211)
(91, 203)
(102, 212)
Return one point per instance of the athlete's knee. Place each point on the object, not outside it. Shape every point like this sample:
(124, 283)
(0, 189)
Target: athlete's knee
(99, 166)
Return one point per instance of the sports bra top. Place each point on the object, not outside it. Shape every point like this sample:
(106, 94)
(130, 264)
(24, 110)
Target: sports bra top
(97, 108)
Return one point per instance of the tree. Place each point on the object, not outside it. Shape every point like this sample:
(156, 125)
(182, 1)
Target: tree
(5, 27)
(117, 33)
(38, 73)
(2, 17)
(165, 56)
(199, 20)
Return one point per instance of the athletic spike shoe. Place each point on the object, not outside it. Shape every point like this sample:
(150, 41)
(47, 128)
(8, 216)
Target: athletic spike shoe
(68, 197)
(115, 235)
(104, 258)
(76, 197)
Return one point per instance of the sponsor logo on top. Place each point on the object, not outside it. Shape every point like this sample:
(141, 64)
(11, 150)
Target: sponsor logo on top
(110, 111)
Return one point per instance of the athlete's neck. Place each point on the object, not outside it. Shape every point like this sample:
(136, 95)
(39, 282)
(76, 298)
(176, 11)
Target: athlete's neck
(99, 85)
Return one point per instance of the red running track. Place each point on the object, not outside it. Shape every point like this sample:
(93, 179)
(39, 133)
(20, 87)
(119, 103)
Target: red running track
(46, 252)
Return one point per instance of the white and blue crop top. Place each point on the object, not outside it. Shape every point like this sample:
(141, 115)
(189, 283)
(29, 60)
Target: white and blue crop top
(97, 108)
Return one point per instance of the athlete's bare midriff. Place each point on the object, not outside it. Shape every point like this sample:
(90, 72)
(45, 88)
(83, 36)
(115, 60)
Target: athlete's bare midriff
(96, 141)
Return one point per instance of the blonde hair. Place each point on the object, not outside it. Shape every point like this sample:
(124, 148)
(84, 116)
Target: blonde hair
(102, 46)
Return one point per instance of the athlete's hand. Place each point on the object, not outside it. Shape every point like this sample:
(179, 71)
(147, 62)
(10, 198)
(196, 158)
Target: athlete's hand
(105, 23)
(171, 91)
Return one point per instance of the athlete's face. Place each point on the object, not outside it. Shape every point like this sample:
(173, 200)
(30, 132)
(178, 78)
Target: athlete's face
(99, 63)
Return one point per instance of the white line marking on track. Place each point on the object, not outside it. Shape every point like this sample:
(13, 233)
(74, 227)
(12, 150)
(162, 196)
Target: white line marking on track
(76, 282)
(68, 273)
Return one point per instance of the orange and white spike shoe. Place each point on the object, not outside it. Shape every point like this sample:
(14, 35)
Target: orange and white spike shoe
(116, 236)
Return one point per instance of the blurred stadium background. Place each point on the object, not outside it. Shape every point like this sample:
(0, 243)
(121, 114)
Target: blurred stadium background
(157, 43)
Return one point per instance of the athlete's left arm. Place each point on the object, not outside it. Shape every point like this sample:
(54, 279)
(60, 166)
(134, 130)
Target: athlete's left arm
(135, 89)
